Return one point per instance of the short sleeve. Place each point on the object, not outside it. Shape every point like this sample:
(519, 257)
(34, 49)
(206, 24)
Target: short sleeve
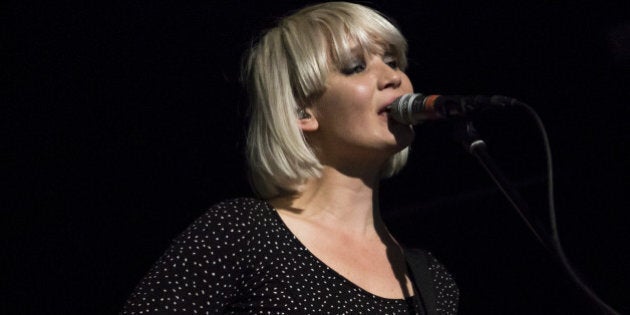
(446, 290)
(202, 270)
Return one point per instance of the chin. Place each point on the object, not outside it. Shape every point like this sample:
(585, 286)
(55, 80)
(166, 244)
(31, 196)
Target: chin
(403, 135)
(398, 144)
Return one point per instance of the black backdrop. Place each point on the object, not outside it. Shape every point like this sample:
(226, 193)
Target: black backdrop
(125, 121)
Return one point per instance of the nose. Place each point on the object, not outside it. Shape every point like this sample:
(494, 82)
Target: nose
(388, 77)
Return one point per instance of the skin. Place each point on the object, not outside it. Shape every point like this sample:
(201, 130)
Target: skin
(348, 124)
(337, 216)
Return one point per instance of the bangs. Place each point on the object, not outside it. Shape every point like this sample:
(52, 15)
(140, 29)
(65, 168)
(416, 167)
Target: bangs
(343, 46)
(322, 38)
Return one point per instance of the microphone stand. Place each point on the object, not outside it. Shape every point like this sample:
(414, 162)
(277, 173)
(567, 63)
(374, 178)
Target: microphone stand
(473, 144)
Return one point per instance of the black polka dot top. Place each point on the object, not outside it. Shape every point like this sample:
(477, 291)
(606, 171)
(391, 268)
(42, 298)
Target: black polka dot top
(240, 258)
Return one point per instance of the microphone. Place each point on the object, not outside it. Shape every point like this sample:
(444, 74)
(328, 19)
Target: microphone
(417, 108)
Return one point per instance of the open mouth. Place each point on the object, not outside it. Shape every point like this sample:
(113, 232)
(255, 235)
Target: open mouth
(385, 110)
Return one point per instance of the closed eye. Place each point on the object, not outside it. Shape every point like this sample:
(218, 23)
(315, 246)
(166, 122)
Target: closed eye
(391, 61)
(353, 69)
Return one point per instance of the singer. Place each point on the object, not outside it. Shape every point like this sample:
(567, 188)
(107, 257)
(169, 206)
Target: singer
(320, 140)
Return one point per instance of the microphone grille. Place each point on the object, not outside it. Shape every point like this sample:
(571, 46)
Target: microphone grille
(402, 109)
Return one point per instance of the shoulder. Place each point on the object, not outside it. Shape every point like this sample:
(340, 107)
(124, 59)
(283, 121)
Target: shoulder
(441, 276)
(239, 211)
(231, 217)
(437, 269)
(205, 265)
(443, 283)
(237, 207)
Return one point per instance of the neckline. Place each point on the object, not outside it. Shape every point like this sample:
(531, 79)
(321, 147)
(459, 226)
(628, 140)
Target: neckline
(332, 271)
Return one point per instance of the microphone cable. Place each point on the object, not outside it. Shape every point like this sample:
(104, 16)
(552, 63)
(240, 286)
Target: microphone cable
(478, 147)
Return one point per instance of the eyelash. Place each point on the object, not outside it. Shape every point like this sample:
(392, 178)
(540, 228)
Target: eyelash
(391, 61)
(356, 68)
(360, 67)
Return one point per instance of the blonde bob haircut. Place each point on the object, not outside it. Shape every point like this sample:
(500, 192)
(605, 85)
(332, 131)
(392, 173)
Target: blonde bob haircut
(286, 71)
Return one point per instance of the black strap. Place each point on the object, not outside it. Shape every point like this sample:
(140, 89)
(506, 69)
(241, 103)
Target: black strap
(418, 263)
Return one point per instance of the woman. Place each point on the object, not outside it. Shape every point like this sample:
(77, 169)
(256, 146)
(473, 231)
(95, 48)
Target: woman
(319, 142)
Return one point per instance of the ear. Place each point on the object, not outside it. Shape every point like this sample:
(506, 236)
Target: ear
(307, 121)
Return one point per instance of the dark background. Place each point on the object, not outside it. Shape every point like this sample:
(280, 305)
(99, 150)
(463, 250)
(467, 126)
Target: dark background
(124, 121)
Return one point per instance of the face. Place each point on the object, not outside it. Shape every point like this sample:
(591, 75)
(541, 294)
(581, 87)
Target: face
(352, 123)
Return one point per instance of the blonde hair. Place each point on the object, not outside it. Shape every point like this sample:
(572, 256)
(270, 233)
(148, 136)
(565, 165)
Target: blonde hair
(287, 69)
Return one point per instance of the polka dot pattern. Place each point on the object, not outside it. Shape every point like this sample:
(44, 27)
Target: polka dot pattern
(240, 258)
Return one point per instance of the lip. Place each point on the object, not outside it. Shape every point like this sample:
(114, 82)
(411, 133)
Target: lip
(384, 109)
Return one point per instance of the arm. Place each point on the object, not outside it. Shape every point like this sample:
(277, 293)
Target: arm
(203, 268)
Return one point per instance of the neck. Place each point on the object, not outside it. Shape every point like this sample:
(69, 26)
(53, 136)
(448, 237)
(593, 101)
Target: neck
(337, 199)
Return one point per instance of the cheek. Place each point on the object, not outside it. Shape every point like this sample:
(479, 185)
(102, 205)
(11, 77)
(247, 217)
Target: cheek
(355, 98)
(362, 92)
(346, 98)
